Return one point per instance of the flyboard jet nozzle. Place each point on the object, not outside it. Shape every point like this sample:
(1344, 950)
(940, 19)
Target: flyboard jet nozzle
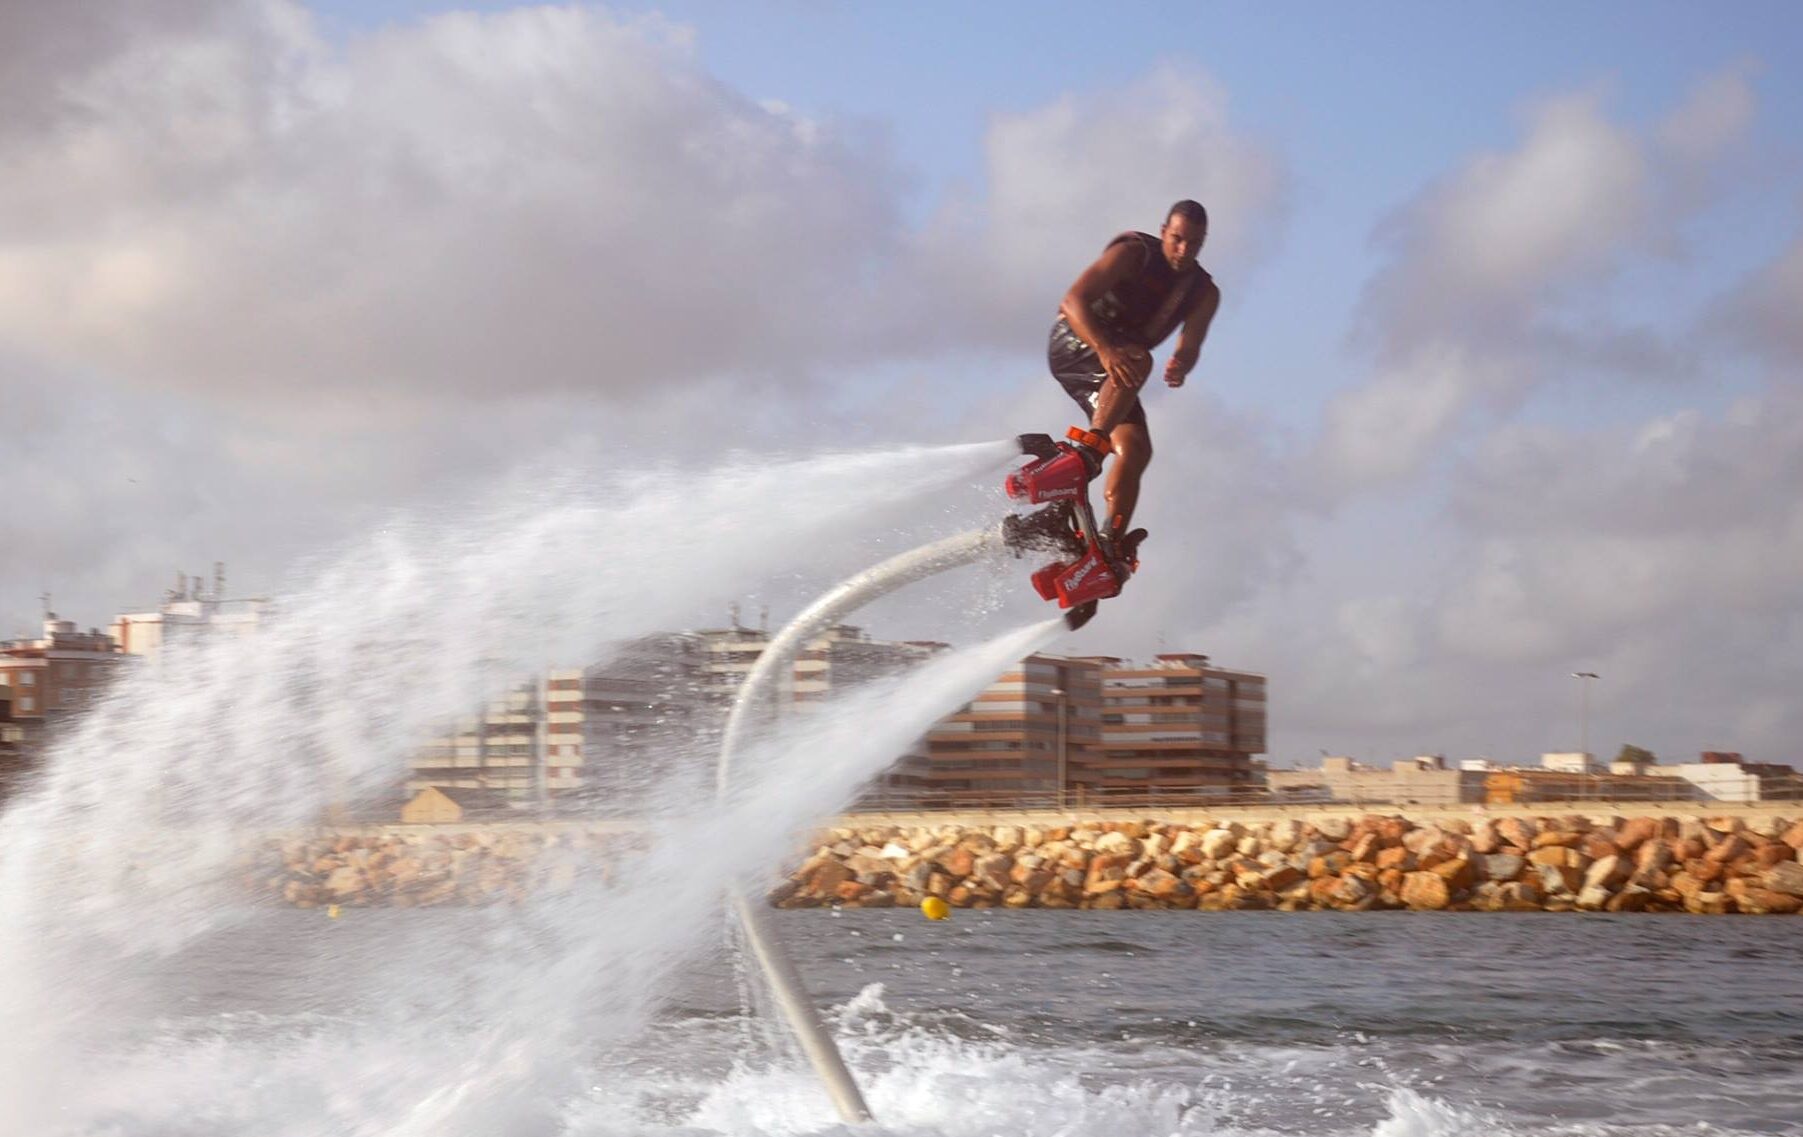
(1091, 566)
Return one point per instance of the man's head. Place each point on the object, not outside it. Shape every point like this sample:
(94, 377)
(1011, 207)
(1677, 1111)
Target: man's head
(1185, 228)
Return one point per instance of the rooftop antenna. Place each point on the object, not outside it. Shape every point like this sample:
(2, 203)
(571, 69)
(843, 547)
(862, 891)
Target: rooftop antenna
(45, 597)
(218, 581)
(763, 617)
(732, 612)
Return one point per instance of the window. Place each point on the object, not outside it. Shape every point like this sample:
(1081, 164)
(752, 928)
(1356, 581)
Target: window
(28, 679)
(28, 703)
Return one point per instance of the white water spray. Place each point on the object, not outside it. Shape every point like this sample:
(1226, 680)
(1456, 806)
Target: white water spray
(128, 843)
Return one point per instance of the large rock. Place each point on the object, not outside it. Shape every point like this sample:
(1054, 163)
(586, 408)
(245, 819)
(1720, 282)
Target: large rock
(1557, 880)
(1281, 878)
(993, 870)
(1186, 846)
(1118, 843)
(1503, 866)
(1283, 835)
(1765, 901)
(1106, 873)
(1425, 891)
(1337, 828)
(1159, 883)
(1635, 832)
(1396, 857)
(1728, 850)
(1352, 890)
(1592, 897)
(1607, 873)
(345, 882)
(1633, 898)
(1653, 856)
(1598, 844)
(1517, 831)
(1786, 878)
(958, 861)
(1458, 873)
(1484, 838)
(1423, 841)
(1219, 843)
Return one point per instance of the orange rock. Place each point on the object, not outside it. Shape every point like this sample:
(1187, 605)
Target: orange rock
(1704, 869)
(1426, 891)
(1282, 877)
(1517, 831)
(1597, 845)
(827, 877)
(1729, 848)
(1635, 832)
(1763, 901)
(1395, 857)
(958, 861)
(1458, 873)
(1158, 883)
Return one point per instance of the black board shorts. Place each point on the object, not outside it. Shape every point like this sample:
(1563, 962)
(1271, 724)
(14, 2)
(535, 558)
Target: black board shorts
(1080, 372)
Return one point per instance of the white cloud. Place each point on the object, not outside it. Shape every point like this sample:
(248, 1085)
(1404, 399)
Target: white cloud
(1766, 313)
(1065, 178)
(1717, 114)
(543, 199)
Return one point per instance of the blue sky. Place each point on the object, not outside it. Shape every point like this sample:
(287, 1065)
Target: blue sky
(1506, 383)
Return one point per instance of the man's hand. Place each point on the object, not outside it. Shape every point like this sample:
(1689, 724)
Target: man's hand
(1127, 366)
(1177, 369)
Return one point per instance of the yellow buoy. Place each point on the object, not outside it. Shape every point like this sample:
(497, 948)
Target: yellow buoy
(934, 908)
(332, 911)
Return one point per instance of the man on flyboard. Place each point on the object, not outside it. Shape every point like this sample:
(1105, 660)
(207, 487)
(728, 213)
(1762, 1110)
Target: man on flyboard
(1140, 290)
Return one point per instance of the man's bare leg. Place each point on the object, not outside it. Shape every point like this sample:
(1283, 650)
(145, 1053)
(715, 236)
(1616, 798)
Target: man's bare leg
(1132, 454)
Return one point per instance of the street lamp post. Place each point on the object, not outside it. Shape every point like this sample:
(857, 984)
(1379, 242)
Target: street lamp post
(1584, 678)
(1061, 774)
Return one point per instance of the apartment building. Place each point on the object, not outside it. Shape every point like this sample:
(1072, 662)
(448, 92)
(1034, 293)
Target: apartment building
(187, 612)
(1018, 742)
(1177, 723)
(13, 756)
(840, 658)
(61, 673)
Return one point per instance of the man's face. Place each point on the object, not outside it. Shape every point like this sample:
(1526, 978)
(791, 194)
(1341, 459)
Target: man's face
(1182, 240)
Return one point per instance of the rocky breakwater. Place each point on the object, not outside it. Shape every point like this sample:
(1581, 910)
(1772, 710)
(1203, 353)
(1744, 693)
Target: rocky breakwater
(1553, 863)
(424, 870)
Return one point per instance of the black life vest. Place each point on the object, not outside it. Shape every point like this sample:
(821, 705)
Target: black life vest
(1146, 308)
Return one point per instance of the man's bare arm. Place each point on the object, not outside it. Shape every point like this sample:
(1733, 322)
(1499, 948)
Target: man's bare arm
(1195, 330)
(1116, 264)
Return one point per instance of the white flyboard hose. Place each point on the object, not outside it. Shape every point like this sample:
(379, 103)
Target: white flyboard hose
(758, 696)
